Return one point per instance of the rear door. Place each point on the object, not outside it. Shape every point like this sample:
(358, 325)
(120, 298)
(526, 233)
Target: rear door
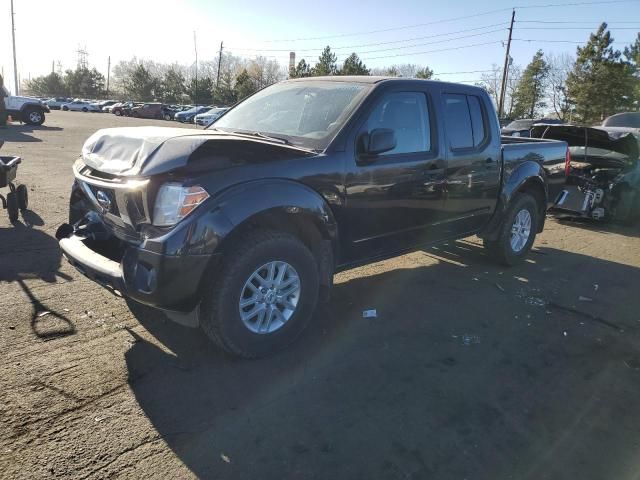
(473, 159)
(394, 197)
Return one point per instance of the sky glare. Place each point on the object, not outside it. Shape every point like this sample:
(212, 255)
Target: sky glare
(458, 40)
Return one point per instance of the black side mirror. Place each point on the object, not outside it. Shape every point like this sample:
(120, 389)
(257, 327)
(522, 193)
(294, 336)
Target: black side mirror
(377, 141)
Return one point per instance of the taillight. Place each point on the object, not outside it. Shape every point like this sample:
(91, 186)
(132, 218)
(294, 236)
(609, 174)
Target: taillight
(567, 163)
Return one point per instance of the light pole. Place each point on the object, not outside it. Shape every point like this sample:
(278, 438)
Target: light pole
(15, 62)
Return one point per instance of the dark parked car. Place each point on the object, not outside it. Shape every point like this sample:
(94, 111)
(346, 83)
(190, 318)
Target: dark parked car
(624, 120)
(124, 109)
(241, 227)
(187, 116)
(521, 128)
(148, 110)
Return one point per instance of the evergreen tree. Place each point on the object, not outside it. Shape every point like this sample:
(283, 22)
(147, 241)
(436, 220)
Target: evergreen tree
(48, 85)
(425, 73)
(245, 85)
(632, 54)
(529, 94)
(173, 85)
(327, 63)
(141, 85)
(204, 94)
(601, 82)
(301, 70)
(354, 66)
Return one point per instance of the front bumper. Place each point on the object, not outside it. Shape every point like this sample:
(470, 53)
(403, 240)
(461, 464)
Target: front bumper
(164, 281)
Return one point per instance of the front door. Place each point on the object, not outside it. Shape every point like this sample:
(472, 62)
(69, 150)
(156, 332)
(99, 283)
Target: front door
(393, 197)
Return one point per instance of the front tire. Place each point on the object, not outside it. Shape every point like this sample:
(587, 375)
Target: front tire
(263, 296)
(117, 113)
(34, 116)
(517, 231)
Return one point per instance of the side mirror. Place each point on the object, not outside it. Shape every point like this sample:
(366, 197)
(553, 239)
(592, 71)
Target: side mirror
(378, 141)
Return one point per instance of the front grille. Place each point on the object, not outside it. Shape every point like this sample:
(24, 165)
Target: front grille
(110, 205)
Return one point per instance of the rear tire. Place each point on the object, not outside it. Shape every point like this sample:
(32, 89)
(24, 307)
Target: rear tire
(117, 113)
(514, 239)
(221, 312)
(12, 207)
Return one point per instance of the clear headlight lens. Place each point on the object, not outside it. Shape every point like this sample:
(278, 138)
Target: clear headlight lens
(175, 201)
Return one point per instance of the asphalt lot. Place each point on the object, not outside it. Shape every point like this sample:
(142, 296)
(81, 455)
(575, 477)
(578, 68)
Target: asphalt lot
(469, 370)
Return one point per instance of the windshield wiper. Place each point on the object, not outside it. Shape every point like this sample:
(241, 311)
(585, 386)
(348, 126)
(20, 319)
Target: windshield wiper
(284, 141)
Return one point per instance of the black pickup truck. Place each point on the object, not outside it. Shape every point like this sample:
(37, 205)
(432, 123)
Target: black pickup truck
(240, 228)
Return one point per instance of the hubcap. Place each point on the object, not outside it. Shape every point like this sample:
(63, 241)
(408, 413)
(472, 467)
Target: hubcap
(520, 230)
(34, 117)
(269, 297)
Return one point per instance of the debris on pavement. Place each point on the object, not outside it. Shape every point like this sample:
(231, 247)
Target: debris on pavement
(43, 313)
(500, 287)
(585, 299)
(633, 363)
(596, 286)
(369, 313)
(225, 458)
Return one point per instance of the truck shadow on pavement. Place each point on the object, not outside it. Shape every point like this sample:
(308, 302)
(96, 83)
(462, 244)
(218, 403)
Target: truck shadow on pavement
(590, 225)
(28, 253)
(467, 371)
(20, 133)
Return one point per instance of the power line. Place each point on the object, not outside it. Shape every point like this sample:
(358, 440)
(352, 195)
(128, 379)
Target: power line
(403, 27)
(287, 50)
(562, 41)
(574, 28)
(433, 51)
(453, 19)
(576, 4)
(591, 22)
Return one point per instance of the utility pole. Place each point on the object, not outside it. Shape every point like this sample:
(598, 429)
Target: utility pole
(108, 75)
(219, 65)
(195, 47)
(506, 68)
(15, 62)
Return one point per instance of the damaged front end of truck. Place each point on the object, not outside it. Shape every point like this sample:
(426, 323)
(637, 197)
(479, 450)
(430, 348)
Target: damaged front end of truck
(602, 173)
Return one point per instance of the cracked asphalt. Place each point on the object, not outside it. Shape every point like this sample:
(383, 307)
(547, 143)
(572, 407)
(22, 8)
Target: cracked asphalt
(468, 371)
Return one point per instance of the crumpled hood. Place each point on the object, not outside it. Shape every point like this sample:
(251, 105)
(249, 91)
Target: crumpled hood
(146, 151)
(126, 151)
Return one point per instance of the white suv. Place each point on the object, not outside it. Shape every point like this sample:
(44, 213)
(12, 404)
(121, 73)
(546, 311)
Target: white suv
(25, 109)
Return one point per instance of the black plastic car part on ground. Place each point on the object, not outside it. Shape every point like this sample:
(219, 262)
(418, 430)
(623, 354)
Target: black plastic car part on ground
(241, 227)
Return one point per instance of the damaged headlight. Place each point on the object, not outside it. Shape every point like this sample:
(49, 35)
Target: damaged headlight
(175, 201)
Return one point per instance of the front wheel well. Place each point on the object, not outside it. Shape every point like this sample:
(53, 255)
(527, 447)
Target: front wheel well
(298, 223)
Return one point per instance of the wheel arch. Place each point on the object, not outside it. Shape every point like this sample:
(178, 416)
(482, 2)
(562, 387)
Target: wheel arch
(286, 206)
(528, 177)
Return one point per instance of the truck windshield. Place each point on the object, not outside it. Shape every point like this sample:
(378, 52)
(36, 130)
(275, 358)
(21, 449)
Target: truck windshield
(307, 113)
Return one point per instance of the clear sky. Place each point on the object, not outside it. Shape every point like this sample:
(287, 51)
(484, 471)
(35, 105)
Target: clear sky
(403, 31)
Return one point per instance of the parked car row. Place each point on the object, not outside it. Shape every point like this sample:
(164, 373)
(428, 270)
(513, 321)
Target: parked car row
(200, 115)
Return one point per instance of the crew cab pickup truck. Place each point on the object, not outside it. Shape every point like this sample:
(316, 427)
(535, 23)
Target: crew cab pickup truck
(239, 228)
(24, 109)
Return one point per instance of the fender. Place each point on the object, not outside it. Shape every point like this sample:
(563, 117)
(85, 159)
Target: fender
(246, 200)
(513, 181)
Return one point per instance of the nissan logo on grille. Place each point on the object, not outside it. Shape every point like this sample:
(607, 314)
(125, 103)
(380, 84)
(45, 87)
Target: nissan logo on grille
(103, 200)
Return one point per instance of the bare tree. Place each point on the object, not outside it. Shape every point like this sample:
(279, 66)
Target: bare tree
(559, 68)
(492, 83)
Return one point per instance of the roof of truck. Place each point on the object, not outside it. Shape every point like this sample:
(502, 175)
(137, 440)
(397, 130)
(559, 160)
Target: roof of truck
(372, 79)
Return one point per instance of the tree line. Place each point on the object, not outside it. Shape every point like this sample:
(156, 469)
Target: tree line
(599, 81)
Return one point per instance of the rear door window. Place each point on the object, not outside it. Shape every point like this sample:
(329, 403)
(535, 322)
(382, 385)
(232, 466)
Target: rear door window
(465, 121)
(458, 121)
